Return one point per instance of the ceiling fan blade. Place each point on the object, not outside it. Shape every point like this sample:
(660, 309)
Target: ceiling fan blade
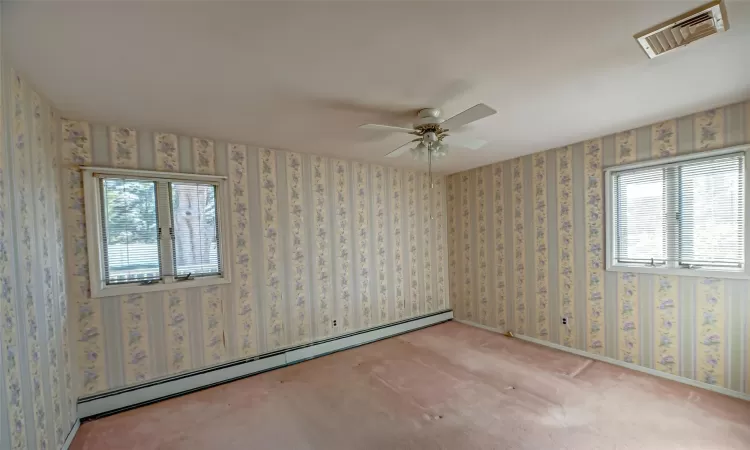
(472, 114)
(374, 126)
(401, 150)
(464, 142)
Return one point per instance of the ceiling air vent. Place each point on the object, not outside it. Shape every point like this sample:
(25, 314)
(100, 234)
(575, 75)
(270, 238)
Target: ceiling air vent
(695, 24)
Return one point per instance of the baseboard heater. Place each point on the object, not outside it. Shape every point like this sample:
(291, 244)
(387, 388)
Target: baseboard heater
(115, 401)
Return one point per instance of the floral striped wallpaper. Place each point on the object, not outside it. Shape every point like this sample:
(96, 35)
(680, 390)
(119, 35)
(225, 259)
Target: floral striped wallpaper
(36, 373)
(315, 240)
(547, 245)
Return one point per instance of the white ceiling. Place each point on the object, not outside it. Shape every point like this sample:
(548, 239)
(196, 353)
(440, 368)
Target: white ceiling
(302, 76)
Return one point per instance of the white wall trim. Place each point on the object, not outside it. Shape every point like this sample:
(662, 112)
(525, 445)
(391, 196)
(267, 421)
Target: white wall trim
(71, 435)
(185, 382)
(654, 372)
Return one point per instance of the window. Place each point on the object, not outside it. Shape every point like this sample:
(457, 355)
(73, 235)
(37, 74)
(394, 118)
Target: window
(683, 215)
(153, 230)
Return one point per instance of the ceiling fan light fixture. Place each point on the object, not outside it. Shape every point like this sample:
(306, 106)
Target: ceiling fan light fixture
(439, 150)
(418, 156)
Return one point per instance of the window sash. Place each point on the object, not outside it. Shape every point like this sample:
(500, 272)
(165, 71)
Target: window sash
(689, 254)
(199, 268)
(108, 275)
(94, 177)
(677, 226)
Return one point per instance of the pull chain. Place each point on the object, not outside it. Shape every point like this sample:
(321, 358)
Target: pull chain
(429, 171)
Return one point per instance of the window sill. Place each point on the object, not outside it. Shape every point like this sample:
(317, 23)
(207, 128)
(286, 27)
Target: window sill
(110, 291)
(704, 273)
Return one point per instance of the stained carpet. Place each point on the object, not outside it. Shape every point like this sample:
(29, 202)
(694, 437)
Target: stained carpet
(450, 386)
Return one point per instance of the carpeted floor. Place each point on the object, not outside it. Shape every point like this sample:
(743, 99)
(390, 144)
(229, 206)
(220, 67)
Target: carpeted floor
(450, 386)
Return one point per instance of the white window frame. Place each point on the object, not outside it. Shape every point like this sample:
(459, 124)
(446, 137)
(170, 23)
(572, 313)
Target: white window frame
(95, 232)
(610, 235)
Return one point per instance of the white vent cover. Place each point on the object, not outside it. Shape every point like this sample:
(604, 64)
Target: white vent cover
(695, 24)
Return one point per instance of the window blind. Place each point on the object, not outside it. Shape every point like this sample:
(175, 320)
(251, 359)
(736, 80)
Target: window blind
(130, 231)
(711, 214)
(687, 214)
(641, 216)
(195, 229)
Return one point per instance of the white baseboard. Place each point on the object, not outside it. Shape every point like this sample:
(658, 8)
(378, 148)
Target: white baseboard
(170, 387)
(71, 435)
(654, 372)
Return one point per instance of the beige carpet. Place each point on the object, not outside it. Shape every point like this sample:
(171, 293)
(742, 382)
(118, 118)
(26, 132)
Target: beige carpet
(450, 386)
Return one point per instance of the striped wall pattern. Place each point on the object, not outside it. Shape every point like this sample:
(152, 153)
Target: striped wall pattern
(36, 374)
(552, 210)
(313, 239)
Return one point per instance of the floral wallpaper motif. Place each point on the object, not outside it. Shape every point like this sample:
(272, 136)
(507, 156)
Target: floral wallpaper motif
(627, 308)
(123, 144)
(135, 337)
(62, 299)
(76, 150)
(178, 346)
(297, 246)
(452, 240)
(627, 283)
(498, 198)
(664, 139)
(213, 331)
(709, 129)
(269, 211)
(566, 279)
(519, 251)
(481, 226)
(341, 194)
(625, 147)
(39, 397)
(165, 146)
(38, 194)
(540, 247)
(174, 301)
(540, 244)
(378, 180)
(666, 313)
(396, 224)
(11, 358)
(246, 325)
(204, 156)
(439, 221)
(26, 247)
(41, 157)
(124, 153)
(468, 304)
(323, 288)
(428, 238)
(711, 325)
(594, 192)
(411, 208)
(363, 225)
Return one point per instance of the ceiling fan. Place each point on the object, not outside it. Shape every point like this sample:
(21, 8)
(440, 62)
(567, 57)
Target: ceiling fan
(432, 132)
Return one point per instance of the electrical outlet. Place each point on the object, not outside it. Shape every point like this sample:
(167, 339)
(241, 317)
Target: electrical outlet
(564, 320)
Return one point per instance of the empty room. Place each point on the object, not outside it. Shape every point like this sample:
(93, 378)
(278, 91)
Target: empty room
(374, 225)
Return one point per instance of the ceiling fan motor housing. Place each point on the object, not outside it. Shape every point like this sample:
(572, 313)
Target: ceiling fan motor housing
(428, 116)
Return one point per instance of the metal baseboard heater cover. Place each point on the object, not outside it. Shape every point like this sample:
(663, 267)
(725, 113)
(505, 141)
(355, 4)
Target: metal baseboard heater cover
(115, 401)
